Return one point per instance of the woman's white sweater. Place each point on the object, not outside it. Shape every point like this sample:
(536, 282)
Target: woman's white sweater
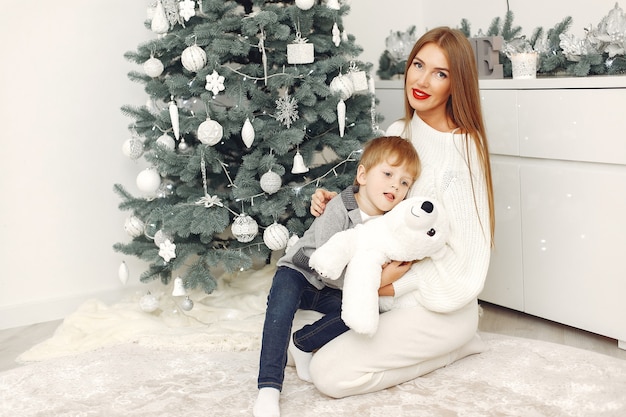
(452, 281)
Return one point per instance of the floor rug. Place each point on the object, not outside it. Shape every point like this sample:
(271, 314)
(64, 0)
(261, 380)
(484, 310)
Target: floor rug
(513, 377)
(120, 360)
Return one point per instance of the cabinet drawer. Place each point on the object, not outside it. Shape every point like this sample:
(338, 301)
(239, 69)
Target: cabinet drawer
(573, 124)
(500, 114)
(574, 242)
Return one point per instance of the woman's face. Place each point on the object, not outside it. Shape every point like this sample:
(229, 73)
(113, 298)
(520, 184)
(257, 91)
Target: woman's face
(428, 81)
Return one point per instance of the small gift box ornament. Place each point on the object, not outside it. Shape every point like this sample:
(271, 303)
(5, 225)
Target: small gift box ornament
(358, 78)
(300, 52)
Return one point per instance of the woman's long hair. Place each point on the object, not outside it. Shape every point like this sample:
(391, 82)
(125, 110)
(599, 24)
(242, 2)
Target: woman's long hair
(463, 106)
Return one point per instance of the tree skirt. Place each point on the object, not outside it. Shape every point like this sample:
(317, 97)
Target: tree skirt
(514, 377)
(118, 360)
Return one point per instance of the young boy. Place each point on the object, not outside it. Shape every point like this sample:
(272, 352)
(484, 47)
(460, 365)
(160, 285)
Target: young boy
(387, 169)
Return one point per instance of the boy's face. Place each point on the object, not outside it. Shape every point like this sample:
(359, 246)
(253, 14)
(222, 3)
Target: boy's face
(382, 187)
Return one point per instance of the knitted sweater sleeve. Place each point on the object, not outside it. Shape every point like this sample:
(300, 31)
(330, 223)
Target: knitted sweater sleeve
(450, 282)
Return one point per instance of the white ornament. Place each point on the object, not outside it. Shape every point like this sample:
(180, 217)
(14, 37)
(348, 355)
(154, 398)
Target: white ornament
(244, 228)
(341, 117)
(132, 148)
(153, 67)
(305, 4)
(359, 79)
(184, 146)
(215, 83)
(193, 58)
(333, 4)
(166, 141)
(336, 34)
(298, 164)
(300, 52)
(148, 181)
(276, 236)
(210, 132)
(270, 182)
(167, 250)
(179, 287)
(159, 22)
(186, 304)
(287, 110)
(173, 108)
(247, 133)
(122, 272)
(149, 303)
(343, 86)
(134, 226)
(187, 9)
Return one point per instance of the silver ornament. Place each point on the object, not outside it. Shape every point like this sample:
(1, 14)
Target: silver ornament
(193, 58)
(271, 182)
(134, 226)
(153, 67)
(132, 148)
(276, 236)
(186, 304)
(244, 228)
(149, 303)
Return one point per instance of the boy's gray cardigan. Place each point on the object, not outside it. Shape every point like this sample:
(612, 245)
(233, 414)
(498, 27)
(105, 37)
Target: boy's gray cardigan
(341, 213)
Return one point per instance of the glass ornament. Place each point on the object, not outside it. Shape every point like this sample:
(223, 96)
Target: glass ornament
(148, 181)
(276, 236)
(187, 304)
(244, 228)
(132, 148)
(271, 182)
(153, 67)
(149, 303)
(193, 58)
(134, 226)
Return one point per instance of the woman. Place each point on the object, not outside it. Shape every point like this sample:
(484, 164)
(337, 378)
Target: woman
(434, 318)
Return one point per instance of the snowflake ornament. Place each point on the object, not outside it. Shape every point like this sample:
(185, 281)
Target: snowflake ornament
(209, 201)
(167, 250)
(187, 9)
(215, 82)
(287, 110)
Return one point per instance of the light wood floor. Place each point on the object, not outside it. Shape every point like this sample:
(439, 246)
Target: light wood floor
(495, 319)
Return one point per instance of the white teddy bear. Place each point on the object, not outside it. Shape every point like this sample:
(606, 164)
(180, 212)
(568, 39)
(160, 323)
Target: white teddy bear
(415, 229)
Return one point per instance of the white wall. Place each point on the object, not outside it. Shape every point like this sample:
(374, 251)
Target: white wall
(62, 82)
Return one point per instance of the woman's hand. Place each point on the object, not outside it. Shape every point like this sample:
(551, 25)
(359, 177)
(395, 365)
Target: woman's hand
(319, 199)
(392, 271)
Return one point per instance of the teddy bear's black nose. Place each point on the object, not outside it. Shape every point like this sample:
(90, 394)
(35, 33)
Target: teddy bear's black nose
(427, 206)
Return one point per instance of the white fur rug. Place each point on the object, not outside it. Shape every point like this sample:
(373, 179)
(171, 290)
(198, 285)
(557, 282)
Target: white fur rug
(109, 361)
(514, 377)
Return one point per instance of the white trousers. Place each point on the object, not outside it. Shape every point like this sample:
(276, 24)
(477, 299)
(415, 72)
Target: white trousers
(410, 342)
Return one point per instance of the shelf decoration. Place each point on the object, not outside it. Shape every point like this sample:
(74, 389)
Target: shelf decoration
(601, 51)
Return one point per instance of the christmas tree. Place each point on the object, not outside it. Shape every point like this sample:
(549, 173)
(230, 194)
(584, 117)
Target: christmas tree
(252, 105)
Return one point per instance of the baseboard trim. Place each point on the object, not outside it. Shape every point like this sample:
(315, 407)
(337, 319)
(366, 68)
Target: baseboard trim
(53, 309)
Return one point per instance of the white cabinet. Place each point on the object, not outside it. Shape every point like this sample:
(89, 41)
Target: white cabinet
(558, 151)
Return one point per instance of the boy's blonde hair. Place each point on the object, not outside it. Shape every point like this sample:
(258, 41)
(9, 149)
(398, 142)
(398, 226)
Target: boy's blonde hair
(394, 150)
